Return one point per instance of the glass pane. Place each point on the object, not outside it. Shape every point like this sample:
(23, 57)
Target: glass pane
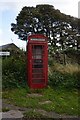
(37, 76)
(35, 56)
(36, 61)
(37, 49)
(37, 70)
(37, 66)
(38, 80)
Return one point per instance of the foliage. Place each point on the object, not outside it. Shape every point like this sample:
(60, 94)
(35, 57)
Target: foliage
(13, 72)
(63, 80)
(60, 29)
(74, 55)
(64, 76)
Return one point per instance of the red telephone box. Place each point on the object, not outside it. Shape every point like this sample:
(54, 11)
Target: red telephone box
(37, 64)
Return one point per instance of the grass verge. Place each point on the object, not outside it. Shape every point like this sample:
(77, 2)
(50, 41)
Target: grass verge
(63, 101)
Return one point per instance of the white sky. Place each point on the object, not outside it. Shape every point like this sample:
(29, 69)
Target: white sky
(9, 10)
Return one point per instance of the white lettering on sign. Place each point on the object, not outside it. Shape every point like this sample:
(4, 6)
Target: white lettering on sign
(4, 53)
(38, 39)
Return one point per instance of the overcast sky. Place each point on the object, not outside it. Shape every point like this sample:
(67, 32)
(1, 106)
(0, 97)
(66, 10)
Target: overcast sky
(9, 10)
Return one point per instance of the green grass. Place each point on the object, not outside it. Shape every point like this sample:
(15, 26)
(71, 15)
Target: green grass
(63, 101)
(5, 109)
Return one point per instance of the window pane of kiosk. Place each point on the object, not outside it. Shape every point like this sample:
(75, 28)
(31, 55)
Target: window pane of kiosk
(38, 80)
(37, 75)
(37, 66)
(37, 61)
(37, 51)
(37, 56)
(37, 70)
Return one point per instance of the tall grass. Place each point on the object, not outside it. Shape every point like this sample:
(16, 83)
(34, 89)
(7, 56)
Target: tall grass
(68, 68)
(64, 75)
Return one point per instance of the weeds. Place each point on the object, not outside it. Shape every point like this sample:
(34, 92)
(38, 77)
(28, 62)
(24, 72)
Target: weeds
(13, 73)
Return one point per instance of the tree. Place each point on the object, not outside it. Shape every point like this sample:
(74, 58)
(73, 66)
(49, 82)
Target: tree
(61, 30)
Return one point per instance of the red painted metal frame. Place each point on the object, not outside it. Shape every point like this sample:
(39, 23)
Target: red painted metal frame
(30, 62)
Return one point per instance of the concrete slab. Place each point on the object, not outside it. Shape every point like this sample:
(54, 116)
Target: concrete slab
(12, 114)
